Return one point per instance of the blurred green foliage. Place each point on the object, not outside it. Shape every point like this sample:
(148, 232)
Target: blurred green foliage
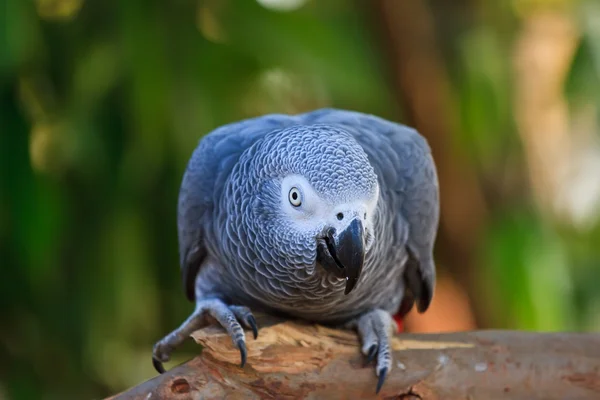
(102, 102)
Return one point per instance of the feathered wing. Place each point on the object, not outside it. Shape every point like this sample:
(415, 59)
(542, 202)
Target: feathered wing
(402, 159)
(202, 185)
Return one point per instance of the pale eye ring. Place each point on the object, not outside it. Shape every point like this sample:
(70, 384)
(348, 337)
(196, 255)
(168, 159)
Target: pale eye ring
(295, 197)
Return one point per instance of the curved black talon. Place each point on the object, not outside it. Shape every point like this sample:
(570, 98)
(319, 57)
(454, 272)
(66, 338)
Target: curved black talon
(242, 346)
(158, 366)
(372, 353)
(382, 375)
(252, 323)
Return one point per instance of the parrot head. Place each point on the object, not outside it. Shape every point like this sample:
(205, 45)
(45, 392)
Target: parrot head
(315, 196)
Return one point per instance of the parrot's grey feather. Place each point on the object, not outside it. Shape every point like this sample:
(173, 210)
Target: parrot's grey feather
(203, 182)
(402, 159)
(399, 155)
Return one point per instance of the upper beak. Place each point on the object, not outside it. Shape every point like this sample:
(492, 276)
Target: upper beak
(346, 252)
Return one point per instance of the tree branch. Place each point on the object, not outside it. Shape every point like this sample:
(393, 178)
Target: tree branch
(295, 360)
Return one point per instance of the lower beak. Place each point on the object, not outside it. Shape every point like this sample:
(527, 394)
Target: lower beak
(347, 248)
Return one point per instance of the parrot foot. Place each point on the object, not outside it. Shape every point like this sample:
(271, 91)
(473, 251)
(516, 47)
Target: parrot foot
(375, 329)
(227, 316)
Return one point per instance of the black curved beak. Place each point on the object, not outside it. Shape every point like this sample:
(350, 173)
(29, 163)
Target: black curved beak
(343, 254)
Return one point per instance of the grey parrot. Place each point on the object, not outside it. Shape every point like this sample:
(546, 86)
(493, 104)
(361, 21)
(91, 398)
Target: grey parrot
(328, 216)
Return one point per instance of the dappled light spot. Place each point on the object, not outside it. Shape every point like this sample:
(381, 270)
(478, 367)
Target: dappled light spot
(282, 90)
(41, 138)
(58, 9)
(282, 5)
(208, 23)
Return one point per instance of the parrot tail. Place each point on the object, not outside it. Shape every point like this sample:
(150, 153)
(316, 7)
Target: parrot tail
(405, 307)
(399, 322)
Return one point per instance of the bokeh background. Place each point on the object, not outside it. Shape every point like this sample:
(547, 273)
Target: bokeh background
(102, 103)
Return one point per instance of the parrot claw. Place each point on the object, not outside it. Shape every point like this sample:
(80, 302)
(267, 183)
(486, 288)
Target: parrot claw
(382, 374)
(252, 322)
(375, 331)
(372, 354)
(229, 317)
(162, 352)
(244, 315)
(158, 365)
(243, 353)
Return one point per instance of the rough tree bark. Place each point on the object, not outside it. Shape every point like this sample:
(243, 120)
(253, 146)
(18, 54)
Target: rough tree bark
(294, 360)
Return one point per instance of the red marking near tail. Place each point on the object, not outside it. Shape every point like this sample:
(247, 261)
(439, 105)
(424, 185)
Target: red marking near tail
(399, 323)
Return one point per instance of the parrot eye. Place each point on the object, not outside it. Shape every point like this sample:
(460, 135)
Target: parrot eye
(295, 197)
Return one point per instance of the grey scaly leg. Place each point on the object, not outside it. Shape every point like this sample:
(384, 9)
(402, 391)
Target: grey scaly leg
(227, 316)
(375, 329)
